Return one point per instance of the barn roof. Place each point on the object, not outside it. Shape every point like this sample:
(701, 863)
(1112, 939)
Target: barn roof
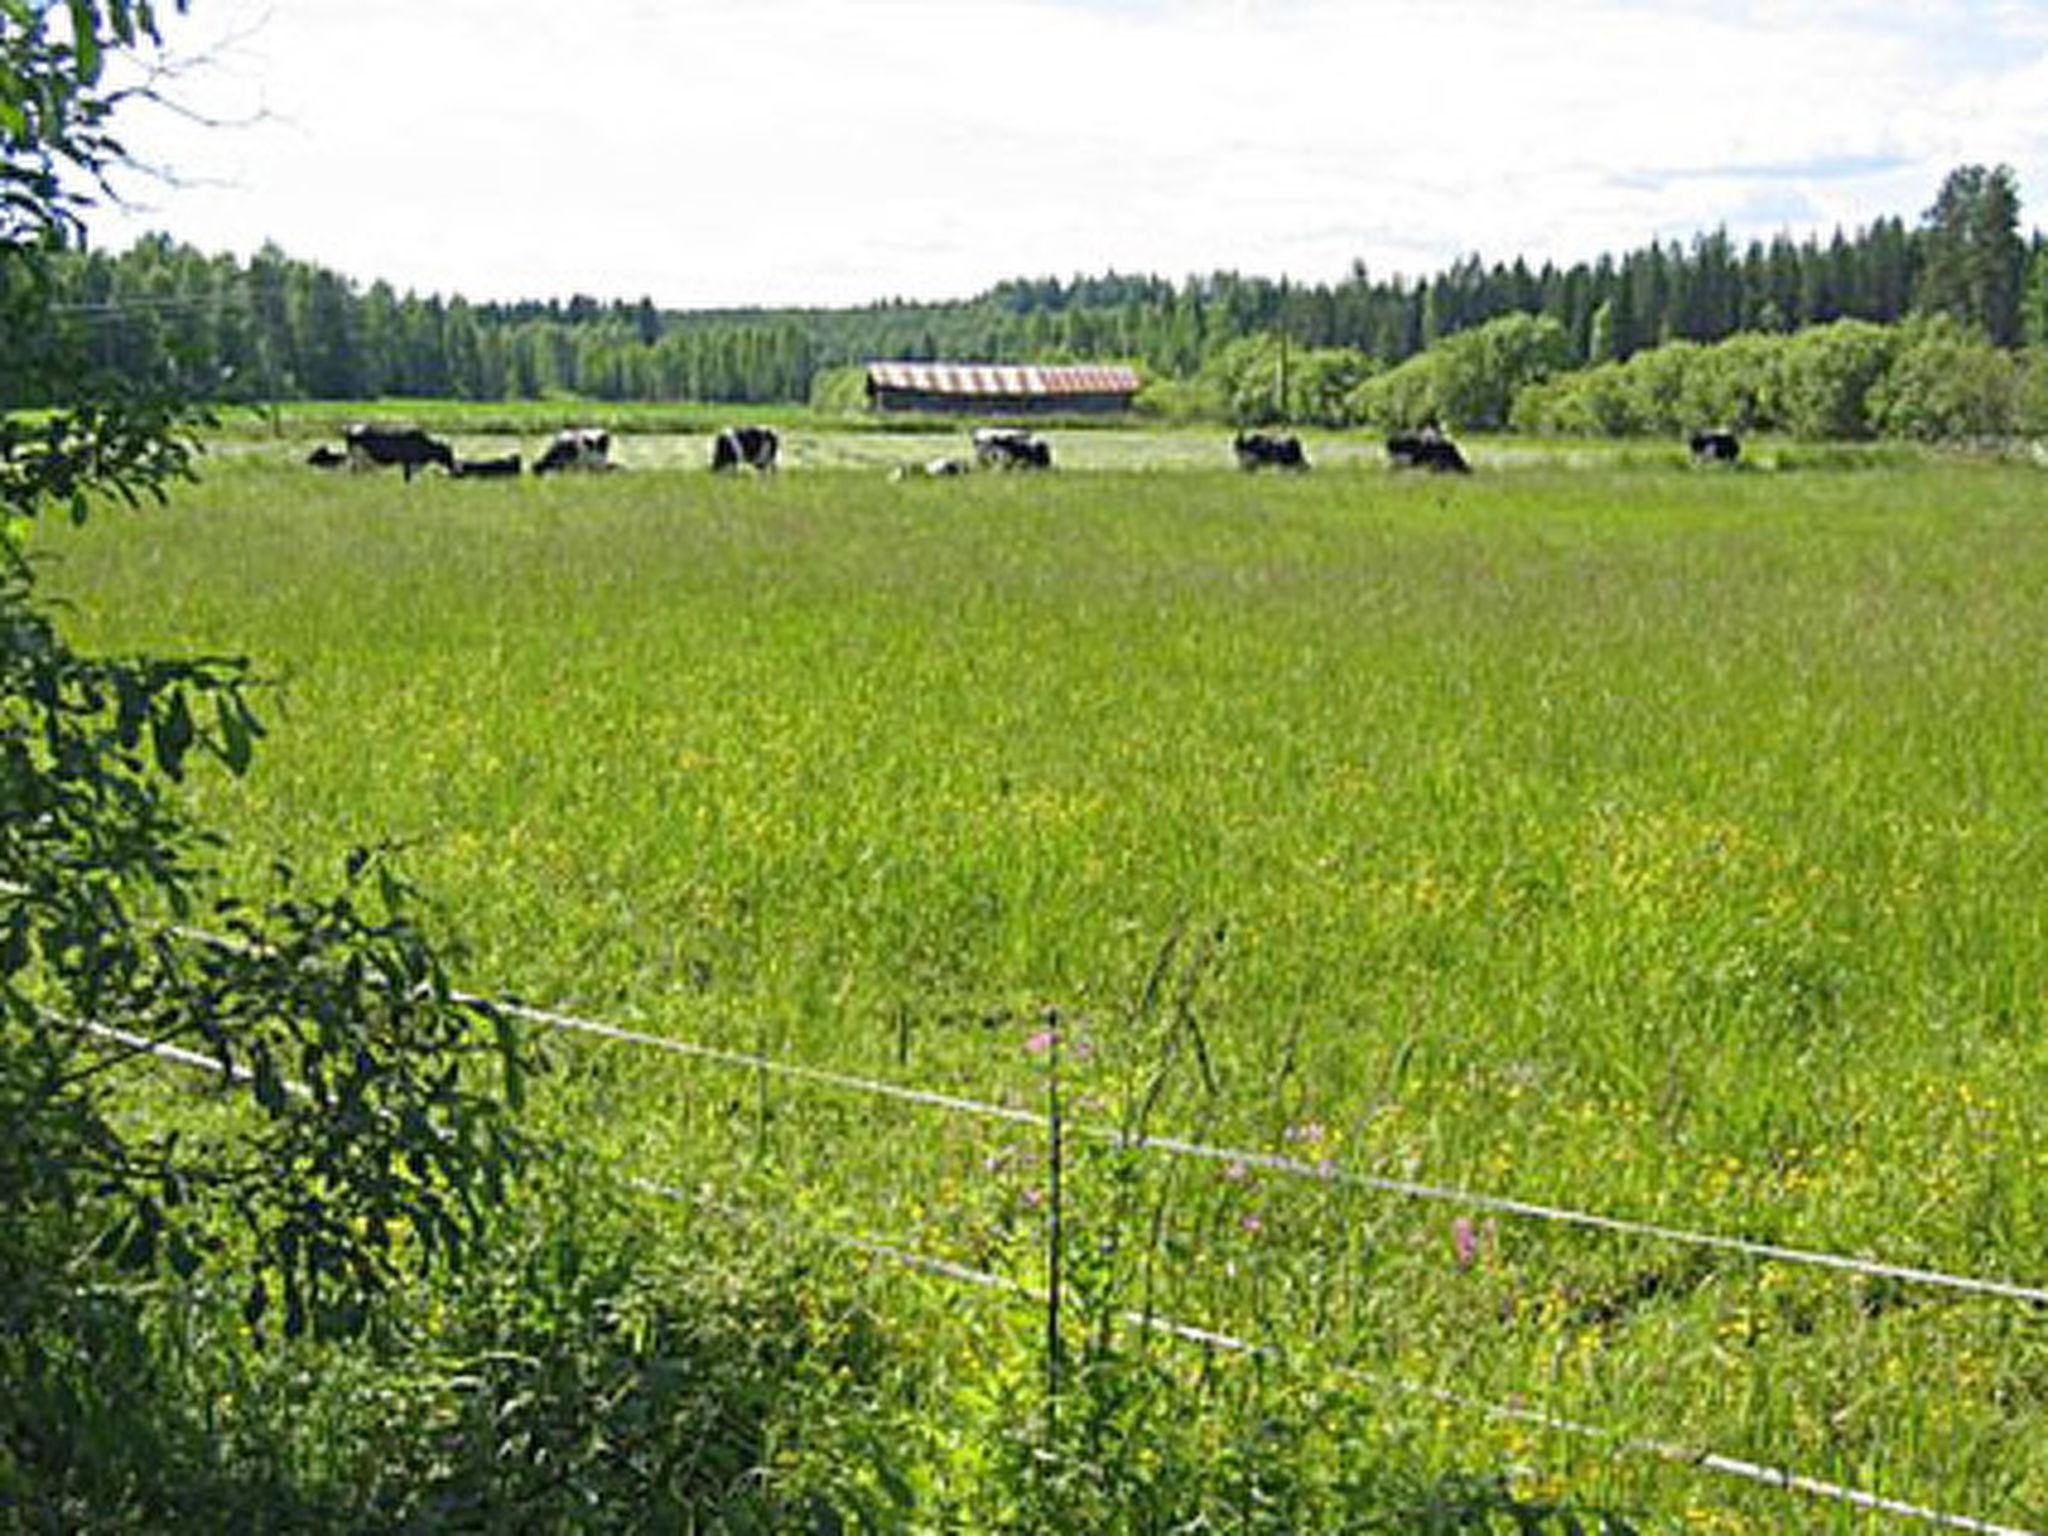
(1007, 380)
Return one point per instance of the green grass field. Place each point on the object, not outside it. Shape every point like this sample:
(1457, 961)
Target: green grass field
(1657, 844)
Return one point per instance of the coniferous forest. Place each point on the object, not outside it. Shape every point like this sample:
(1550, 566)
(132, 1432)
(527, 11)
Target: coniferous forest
(274, 327)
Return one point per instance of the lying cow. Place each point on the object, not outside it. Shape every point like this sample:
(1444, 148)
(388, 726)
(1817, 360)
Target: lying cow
(1010, 448)
(506, 468)
(1428, 449)
(1716, 445)
(588, 448)
(931, 469)
(326, 456)
(754, 447)
(407, 447)
(1261, 450)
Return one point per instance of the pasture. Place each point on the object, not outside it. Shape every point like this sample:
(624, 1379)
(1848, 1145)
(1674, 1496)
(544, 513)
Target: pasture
(1661, 845)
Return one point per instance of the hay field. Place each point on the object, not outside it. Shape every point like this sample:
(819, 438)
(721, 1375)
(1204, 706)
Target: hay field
(1658, 845)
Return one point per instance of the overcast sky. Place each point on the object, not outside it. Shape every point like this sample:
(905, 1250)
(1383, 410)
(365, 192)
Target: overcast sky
(723, 152)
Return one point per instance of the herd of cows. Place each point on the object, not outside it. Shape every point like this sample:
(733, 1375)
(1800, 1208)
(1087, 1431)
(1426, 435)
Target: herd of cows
(994, 448)
(573, 448)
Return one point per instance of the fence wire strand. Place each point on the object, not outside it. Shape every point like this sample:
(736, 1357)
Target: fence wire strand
(1763, 1474)
(1279, 1163)
(1758, 1473)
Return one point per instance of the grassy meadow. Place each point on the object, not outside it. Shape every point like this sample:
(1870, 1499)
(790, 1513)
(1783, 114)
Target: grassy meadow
(1661, 844)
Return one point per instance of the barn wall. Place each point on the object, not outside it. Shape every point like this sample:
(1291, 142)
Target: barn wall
(887, 399)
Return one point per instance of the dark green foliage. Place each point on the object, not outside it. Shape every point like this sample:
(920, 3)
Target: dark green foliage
(618, 1365)
(359, 1128)
(1932, 379)
(1468, 381)
(1946, 383)
(379, 1128)
(607, 1364)
(280, 328)
(2034, 301)
(1973, 260)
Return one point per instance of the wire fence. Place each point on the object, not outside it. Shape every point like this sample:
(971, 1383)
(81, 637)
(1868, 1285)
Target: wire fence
(1736, 1467)
(1291, 1167)
(1619, 1442)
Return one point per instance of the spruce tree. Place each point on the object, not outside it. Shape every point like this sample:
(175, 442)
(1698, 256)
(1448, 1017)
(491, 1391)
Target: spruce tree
(1974, 260)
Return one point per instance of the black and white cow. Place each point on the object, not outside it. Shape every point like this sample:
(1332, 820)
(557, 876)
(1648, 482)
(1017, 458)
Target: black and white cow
(931, 469)
(506, 468)
(407, 447)
(1427, 449)
(588, 448)
(749, 447)
(1010, 448)
(1715, 445)
(1264, 450)
(326, 456)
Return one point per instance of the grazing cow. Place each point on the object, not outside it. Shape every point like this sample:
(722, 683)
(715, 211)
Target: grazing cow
(407, 447)
(506, 468)
(576, 448)
(1716, 445)
(326, 456)
(754, 447)
(1261, 450)
(1010, 448)
(1427, 449)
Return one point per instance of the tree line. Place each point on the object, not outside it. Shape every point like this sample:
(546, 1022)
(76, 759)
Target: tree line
(274, 327)
(278, 328)
(1930, 377)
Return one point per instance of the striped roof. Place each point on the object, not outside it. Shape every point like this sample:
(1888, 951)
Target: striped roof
(1002, 379)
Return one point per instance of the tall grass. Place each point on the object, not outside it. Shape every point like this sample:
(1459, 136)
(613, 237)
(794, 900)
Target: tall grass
(1656, 843)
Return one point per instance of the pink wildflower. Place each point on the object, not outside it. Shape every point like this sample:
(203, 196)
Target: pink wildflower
(1464, 1242)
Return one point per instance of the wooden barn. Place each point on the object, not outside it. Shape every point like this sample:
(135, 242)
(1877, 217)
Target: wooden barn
(1001, 389)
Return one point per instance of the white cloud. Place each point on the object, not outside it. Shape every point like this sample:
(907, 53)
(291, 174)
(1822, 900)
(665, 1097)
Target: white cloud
(712, 152)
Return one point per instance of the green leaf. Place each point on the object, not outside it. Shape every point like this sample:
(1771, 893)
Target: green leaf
(85, 26)
(132, 707)
(138, 1243)
(14, 945)
(171, 735)
(265, 1084)
(509, 1056)
(236, 743)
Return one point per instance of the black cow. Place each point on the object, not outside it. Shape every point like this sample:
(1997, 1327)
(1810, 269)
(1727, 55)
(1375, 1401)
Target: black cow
(506, 468)
(1010, 448)
(754, 447)
(407, 447)
(576, 448)
(1427, 449)
(1716, 445)
(326, 457)
(1262, 450)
